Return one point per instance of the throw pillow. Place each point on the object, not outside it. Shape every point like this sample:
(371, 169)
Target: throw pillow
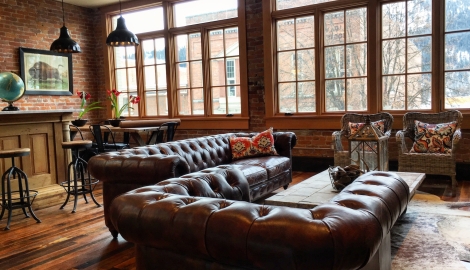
(261, 144)
(433, 138)
(354, 127)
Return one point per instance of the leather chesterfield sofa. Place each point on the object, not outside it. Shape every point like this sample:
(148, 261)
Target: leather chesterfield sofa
(174, 226)
(128, 169)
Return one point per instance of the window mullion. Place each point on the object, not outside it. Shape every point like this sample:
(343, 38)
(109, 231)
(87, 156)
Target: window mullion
(206, 83)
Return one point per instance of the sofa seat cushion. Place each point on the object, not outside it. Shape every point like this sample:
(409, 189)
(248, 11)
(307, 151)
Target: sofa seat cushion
(254, 174)
(274, 165)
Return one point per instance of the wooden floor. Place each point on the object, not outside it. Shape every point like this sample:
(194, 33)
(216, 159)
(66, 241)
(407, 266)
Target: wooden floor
(81, 240)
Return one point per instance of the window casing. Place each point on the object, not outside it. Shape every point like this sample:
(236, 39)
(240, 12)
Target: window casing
(396, 61)
(172, 69)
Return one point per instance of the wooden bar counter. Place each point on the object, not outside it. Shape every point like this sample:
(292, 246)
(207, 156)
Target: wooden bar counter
(42, 132)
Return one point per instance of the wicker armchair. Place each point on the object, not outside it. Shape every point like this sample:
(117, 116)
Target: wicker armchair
(430, 163)
(341, 155)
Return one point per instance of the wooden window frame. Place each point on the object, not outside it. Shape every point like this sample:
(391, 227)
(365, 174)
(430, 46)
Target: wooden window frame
(208, 120)
(321, 119)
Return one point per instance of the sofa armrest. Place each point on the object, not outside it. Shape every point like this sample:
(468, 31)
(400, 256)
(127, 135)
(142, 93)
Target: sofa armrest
(284, 142)
(136, 166)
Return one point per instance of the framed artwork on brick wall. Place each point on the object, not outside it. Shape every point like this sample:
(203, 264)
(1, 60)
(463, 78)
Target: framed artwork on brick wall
(46, 72)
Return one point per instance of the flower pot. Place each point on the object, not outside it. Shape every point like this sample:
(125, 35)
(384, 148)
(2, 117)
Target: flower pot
(79, 122)
(115, 122)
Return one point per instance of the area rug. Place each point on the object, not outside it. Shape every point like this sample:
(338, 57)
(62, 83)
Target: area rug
(433, 234)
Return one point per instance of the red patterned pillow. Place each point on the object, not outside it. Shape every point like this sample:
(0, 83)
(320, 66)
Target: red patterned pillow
(354, 127)
(260, 145)
(433, 138)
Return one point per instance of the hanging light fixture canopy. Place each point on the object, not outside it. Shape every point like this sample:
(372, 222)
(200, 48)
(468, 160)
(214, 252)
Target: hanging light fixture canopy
(65, 44)
(121, 36)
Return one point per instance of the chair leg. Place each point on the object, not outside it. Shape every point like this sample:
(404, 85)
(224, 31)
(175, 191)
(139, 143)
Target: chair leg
(454, 186)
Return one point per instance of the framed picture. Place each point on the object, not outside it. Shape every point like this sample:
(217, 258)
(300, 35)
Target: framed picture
(46, 72)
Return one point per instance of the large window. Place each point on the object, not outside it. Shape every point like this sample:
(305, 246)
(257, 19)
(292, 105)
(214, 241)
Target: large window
(187, 68)
(332, 56)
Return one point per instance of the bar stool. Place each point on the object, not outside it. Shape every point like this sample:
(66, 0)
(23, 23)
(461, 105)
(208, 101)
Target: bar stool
(23, 197)
(82, 183)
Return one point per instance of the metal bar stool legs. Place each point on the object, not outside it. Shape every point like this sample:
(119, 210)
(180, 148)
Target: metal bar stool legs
(79, 181)
(24, 197)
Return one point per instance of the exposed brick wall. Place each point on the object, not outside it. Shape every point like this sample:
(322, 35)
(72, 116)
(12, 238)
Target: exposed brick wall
(35, 24)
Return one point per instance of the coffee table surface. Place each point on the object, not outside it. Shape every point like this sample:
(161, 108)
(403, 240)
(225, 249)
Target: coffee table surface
(318, 190)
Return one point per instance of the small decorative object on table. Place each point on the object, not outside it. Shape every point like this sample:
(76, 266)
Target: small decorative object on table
(341, 177)
(84, 96)
(11, 89)
(117, 111)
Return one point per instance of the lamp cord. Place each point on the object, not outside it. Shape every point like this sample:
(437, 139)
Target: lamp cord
(63, 13)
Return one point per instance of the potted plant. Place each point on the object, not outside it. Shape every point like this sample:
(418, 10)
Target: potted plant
(84, 96)
(117, 111)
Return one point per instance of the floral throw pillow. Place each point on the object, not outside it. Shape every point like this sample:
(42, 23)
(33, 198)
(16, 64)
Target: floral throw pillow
(354, 127)
(433, 138)
(260, 145)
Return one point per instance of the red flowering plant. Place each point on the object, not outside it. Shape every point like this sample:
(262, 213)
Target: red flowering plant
(84, 96)
(113, 97)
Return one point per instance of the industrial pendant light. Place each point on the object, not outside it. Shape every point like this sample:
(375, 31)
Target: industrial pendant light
(121, 36)
(65, 44)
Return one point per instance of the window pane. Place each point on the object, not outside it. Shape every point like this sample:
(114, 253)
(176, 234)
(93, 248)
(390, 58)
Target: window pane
(334, 62)
(184, 105)
(217, 72)
(356, 60)
(419, 92)
(285, 35)
(357, 94)
(231, 42)
(457, 15)
(419, 17)
(160, 50)
(334, 28)
(162, 103)
(121, 80)
(393, 92)
(393, 55)
(196, 74)
(287, 97)
(234, 101)
(457, 90)
(183, 75)
(120, 57)
(306, 65)
(150, 80)
(161, 77)
(149, 52)
(305, 29)
(198, 101)
(306, 96)
(356, 25)
(335, 95)
(130, 51)
(393, 20)
(132, 77)
(283, 4)
(195, 46)
(152, 17)
(181, 48)
(286, 66)
(419, 54)
(218, 100)
(216, 43)
(202, 11)
(457, 52)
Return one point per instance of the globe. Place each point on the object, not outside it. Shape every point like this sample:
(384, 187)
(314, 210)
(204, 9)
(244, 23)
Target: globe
(11, 89)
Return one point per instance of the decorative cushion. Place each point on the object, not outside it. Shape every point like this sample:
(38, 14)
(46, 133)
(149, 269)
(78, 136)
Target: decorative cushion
(261, 144)
(354, 127)
(433, 138)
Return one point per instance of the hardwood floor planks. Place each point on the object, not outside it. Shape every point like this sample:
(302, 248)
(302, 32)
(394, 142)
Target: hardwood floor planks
(81, 240)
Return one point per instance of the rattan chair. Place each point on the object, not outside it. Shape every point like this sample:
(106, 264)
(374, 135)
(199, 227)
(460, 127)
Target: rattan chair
(429, 163)
(341, 155)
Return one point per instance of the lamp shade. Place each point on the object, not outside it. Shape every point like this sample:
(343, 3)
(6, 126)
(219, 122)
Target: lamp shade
(121, 36)
(65, 44)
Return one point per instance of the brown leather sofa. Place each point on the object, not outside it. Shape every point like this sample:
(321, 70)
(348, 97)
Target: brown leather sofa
(174, 227)
(128, 169)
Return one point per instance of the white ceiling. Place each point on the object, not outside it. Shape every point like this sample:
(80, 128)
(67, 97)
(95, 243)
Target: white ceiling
(91, 3)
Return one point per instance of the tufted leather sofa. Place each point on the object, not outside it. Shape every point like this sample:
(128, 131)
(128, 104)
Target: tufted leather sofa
(175, 227)
(128, 169)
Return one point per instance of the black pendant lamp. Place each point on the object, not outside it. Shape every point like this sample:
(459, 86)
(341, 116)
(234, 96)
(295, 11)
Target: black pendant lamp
(65, 44)
(121, 36)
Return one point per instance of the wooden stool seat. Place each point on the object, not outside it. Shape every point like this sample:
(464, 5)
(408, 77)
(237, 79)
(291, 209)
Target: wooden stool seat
(21, 198)
(17, 152)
